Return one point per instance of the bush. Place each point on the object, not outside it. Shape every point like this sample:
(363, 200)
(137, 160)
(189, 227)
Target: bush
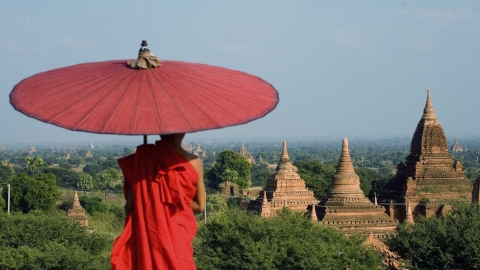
(49, 242)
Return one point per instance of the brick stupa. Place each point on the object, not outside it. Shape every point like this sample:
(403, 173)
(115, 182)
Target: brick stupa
(429, 179)
(284, 188)
(346, 208)
(77, 212)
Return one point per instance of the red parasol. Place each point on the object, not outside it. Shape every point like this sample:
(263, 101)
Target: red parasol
(113, 98)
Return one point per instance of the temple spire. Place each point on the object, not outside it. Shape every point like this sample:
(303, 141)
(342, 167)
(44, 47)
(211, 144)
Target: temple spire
(76, 202)
(429, 112)
(345, 182)
(284, 164)
(284, 151)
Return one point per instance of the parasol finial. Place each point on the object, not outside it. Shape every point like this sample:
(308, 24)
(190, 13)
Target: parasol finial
(145, 59)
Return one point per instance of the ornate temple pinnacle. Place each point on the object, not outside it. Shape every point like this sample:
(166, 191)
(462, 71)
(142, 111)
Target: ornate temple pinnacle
(345, 182)
(76, 202)
(284, 165)
(429, 112)
(345, 163)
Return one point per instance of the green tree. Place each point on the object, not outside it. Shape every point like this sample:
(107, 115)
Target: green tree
(65, 177)
(260, 174)
(50, 242)
(235, 239)
(76, 160)
(85, 181)
(6, 173)
(107, 179)
(92, 168)
(215, 204)
(450, 242)
(33, 163)
(229, 160)
(27, 193)
(317, 176)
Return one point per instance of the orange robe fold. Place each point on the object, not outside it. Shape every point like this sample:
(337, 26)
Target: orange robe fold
(159, 231)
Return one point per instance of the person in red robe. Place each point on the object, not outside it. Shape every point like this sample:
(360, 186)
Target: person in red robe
(163, 187)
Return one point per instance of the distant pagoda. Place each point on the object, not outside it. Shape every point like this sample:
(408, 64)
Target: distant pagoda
(245, 154)
(456, 147)
(346, 208)
(77, 212)
(429, 179)
(284, 188)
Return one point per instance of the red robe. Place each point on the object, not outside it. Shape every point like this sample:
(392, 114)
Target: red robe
(159, 231)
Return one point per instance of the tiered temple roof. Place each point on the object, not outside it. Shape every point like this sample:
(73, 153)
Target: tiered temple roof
(456, 147)
(429, 179)
(245, 154)
(284, 188)
(89, 154)
(346, 207)
(77, 212)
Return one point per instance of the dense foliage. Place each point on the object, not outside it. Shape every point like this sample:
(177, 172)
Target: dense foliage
(238, 240)
(450, 242)
(232, 167)
(317, 176)
(27, 193)
(49, 242)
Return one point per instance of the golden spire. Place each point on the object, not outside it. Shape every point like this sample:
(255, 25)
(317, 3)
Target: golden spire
(429, 112)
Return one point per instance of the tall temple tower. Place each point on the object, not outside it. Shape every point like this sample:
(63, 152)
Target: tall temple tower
(429, 179)
(77, 212)
(284, 188)
(346, 207)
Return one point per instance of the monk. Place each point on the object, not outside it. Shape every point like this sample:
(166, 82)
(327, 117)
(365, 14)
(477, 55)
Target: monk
(163, 187)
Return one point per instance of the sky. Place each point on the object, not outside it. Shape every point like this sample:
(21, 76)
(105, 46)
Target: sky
(356, 69)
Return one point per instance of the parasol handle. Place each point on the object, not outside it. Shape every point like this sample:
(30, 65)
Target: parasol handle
(145, 139)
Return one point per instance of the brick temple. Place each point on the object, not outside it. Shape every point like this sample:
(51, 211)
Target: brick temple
(456, 147)
(346, 207)
(284, 188)
(77, 212)
(429, 179)
(245, 154)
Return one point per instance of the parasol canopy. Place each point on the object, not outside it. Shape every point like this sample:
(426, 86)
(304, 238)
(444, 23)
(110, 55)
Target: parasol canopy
(144, 96)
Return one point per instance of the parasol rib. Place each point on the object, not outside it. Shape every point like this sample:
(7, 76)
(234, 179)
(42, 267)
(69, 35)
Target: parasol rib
(99, 103)
(117, 105)
(173, 101)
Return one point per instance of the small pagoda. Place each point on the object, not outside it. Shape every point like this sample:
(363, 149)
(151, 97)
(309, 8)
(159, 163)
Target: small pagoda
(346, 207)
(77, 212)
(245, 154)
(456, 147)
(285, 188)
(429, 180)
